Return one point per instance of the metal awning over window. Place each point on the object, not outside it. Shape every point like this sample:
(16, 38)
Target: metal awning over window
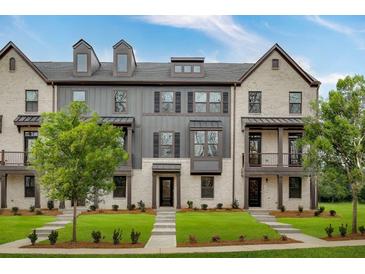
(166, 167)
(206, 124)
(274, 122)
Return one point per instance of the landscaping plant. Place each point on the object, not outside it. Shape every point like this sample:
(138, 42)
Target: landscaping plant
(50, 205)
(343, 230)
(283, 237)
(317, 213)
(92, 207)
(204, 206)
(190, 204)
(53, 237)
(235, 204)
(333, 212)
(132, 207)
(135, 236)
(15, 210)
(141, 206)
(192, 239)
(33, 237)
(117, 236)
(38, 212)
(195, 208)
(219, 206)
(216, 239)
(31, 208)
(362, 229)
(321, 209)
(96, 235)
(115, 207)
(242, 238)
(282, 208)
(265, 237)
(329, 230)
(300, 209)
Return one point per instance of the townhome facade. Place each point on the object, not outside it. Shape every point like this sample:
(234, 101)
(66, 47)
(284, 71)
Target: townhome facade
(203, 132)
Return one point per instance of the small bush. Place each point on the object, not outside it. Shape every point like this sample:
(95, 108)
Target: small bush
(265, 237)
(53, 237)
(15, 210)
(333, 212)
(38, 212)
(33, 237)
(362, 229)
(96, 235)
(132, 207)
(235, 204)
(190, 204)
(317, 213)
(321, 209)
(343, 230)
(32, 208)
(192, 239)
(242, 238)
(329, 230)
(204, 206)
(283, 237)
(216, 239)
(141, 206)
(300, 209)
(195, 208)
(50, 205)
(115, 207)
(219, 206)
(282, 208)
(135, 236)
(92, 207)
(117, 236)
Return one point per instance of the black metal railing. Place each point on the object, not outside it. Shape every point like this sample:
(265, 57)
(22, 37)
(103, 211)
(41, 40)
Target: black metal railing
(273, 160)
(14, 158)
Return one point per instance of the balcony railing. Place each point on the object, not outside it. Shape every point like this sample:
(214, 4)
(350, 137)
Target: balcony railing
(272, 160)
(14, 158)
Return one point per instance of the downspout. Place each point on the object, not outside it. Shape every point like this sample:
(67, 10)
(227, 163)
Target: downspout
(234, 144)
(315, 175)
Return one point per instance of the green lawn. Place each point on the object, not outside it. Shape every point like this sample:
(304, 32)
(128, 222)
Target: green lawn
(228, 225)
(106, 223)
(332, 252)
(18, 227)
(315, 225)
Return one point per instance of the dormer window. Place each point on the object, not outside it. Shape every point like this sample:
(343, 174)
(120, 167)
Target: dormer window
(122, 62)
(187, 66)
(12, 64)
(197, 69)
(178, 69)
(81, 62)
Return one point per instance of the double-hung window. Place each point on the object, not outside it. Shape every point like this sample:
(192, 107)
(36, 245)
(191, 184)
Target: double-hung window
(81, 65)
(254, 101)
(120, 185)
(122, 63)
(201, 102)
(215, 100)
(295, 102)
(120, 101)
(29, 186)
(167, 101)
(208, 101)
(166, 144)
(206, 143)
(31, 100)
(295, 187)
(207, 187)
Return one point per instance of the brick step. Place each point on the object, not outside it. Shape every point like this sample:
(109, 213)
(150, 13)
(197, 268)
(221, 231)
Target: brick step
(287, 230)
(163, 231)
(165, 225)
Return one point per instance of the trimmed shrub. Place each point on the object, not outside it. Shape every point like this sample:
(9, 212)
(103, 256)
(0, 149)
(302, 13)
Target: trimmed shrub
(92, 207)
(265, 237)
(219, 206)
(33, 237)
(190, 204)
(192, 239)
(242, 238)
(235, 204)
(321, 209)
(300, 209)
(50, 205)
(115, 207)
(38, 212)
(329, 230)
(135, 236)
(132, 207)
(362, 229)
(53, 237)
(333, 213)
(216, 239)
(195, 208)
(343, 230)
(317, 213)
(204, 206)
(141, 206)
(15, 210)
(283, 237)
(282, 208)
(117, 236)
(96, 235)
(32, 208)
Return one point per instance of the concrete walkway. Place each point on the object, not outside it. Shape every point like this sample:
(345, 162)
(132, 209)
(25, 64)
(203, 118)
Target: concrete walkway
(164, 230)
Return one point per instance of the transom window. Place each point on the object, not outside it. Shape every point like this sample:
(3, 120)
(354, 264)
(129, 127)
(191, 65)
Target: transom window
(208, 101)
(295, 187)
(120, 101)
(166, 144)
(120, 185)
(206, 143)
(167, 101)
(254, 101)
(122, 62)
(207, 187)
(79, 96)
(81, 65)
(295, 102)
(31, 100)
(29, 186)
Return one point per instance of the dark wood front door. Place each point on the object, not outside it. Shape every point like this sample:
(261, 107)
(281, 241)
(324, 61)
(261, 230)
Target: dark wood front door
(166, 191)
(254, 192)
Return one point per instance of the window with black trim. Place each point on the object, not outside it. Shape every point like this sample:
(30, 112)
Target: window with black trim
(208, 101)
(254, 101)
(120, 186)
(79, 96)
(12, 64)
(29, 186)
(275, 63)
(207, 187)
(295, 187)
(81, 62)
(167, 101)
(120, 101)
(295, 102)
(31, 100)
(166, 144)
(206, 143)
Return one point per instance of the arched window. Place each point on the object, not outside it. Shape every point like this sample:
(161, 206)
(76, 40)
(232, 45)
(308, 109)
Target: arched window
(12, 64)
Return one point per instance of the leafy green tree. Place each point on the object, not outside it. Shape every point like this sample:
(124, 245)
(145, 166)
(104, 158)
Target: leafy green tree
(73, 156)
(335, 137)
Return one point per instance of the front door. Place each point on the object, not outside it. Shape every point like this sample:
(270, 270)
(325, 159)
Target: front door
(166, 191)
(254, 192)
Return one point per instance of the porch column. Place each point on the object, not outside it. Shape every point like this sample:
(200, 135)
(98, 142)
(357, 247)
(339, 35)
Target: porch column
(129, 191)
(178, 191)
(312, 188)
(280, 191)
(154, 177)
(3, 182)
(129, 144)
(280, 146)
(37, 195)
(245, 202)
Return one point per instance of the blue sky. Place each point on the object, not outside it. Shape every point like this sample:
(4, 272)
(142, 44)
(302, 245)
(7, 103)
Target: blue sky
(328, 47)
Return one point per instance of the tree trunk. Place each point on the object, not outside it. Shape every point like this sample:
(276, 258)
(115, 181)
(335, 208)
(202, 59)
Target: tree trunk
(74, 221)
(354, 211)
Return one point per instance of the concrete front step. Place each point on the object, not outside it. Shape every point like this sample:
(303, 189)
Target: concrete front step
(164, 221)
(277, 225)
(287, 230)
(166, 214)
(165, 225)
(172, 218)
(59, 223)
(164, 231)
(166, 209)
(259, 212)
(265, 218)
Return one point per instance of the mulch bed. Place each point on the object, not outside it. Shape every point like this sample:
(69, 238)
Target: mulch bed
(347, 238)
(245, 242)
(120, 211)
(70, 245)
(211, 210)
(23, 212)
(296, 214)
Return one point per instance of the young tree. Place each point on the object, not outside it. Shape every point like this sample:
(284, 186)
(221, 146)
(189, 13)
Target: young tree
(73, 155)
(335, 136)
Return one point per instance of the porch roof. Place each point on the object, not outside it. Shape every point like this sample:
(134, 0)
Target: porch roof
(271, 121)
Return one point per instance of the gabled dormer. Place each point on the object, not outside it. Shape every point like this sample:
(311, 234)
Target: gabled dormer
(124, 62)
(85, 60)
(187, 67)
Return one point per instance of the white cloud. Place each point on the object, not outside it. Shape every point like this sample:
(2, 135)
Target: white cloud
(332, 78)
(243, 44)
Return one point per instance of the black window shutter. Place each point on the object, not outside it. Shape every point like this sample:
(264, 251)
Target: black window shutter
(190, 101)
(156, 142)
(157, 101)
(178, 101)
(225, 102)
(177, 144)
